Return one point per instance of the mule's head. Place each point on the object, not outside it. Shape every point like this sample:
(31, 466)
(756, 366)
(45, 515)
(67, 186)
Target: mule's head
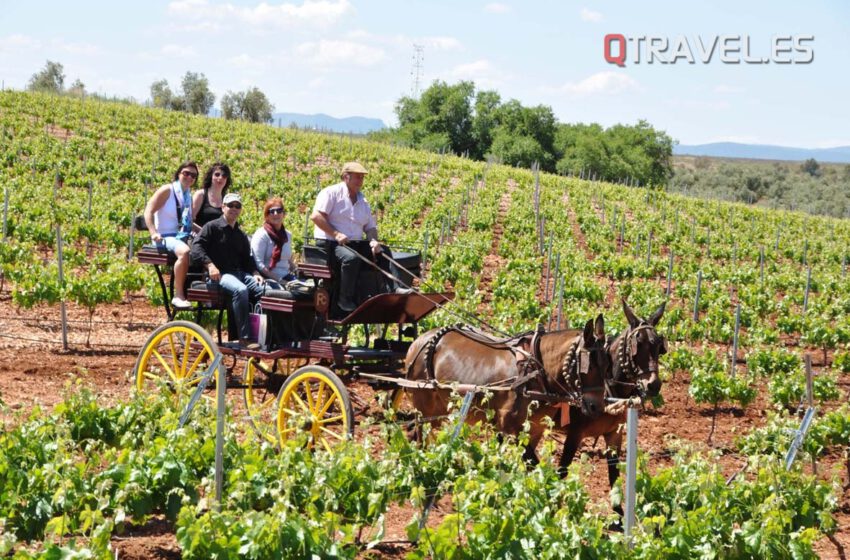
(640, 349)
(593, 364)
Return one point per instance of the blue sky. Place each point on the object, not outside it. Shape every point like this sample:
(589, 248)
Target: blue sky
(354, 57)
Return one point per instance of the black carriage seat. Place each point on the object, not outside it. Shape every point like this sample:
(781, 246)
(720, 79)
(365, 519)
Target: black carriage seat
(317, 264)
(294, 315)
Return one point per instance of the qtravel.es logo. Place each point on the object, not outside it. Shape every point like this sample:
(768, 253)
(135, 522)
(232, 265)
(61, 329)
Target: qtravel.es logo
(728, 49)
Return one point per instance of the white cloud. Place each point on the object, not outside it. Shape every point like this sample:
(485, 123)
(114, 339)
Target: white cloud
(603, 83)
(311, 12)
(481, 71)
(723, 88)
(329, 53)
(17, 42)
(178, 51)
(79, 48)
(440, 43)
(497, 8)
(245, 62)
(590, 15)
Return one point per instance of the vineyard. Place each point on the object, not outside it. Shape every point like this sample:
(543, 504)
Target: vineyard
(518, 248)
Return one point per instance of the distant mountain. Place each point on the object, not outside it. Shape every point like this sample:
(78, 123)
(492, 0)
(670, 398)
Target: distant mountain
(356, 125)
(761, 151)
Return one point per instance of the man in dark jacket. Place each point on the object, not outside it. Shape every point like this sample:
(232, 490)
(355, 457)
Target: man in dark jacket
(224, 250)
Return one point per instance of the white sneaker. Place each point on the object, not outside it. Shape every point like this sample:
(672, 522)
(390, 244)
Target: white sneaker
(403, 291)
(180, 303)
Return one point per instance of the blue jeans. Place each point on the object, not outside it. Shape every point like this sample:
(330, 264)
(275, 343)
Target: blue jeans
(242, 289)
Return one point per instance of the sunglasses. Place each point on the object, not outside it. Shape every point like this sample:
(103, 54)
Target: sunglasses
(237, 205)
(276, 211)
(189, 174)
(219, 174)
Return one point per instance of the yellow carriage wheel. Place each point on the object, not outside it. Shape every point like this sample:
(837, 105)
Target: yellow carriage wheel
(263, 381)
(176, 354)
(314, 401)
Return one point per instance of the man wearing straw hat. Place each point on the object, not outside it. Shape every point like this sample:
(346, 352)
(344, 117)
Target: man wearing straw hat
(342, 217)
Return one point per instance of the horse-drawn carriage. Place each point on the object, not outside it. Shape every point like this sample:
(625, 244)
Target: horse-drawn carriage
(297, 382)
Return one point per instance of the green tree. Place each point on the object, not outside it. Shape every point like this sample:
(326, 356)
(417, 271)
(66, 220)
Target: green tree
(196, 93)
(440, 118)
(51, 78)
(162, 96)
(251, 105)
(812, 167)
(484, 121)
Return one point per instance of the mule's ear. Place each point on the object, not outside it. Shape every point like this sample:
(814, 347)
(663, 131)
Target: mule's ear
(589, 339)
(630, 315)
(656, 315)
(599, 327)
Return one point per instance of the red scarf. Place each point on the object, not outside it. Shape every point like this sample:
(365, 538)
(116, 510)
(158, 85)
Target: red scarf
(278, 237)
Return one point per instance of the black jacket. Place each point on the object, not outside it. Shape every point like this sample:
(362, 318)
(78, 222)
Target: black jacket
(226, 247)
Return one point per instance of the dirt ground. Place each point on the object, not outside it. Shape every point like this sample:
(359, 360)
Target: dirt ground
(34, 371)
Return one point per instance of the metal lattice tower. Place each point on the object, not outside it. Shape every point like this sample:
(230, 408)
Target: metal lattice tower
(416, 70)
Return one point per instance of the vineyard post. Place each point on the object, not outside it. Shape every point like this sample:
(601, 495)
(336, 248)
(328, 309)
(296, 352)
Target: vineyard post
(708, 243)
(62, 288)
(761, 264)
(808, 287)
(623, 232)
(648, 248)
(306, 227)
(557, 274)
(560, 302)
(669, 273)
(631, 471)
(810, 400)
(548, 265)
(734, 357)
(541, 233)
(132, 232)
(5, 211)
(425, 248)
(696, 299)
(220, 387)
(805, 251)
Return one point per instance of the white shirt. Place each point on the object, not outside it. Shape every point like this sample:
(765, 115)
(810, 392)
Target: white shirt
(351, 219)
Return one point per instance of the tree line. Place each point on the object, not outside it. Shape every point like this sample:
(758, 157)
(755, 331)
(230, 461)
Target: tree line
(193, 96)
(478, 124)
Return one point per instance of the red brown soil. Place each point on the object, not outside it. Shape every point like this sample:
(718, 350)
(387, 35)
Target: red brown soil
(36, 373)
(493, 261)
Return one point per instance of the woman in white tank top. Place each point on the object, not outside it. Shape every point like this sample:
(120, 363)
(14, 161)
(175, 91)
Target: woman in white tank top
(168, 215)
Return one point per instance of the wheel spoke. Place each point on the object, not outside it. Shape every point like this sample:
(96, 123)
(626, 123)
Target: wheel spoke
(326, 444)
(333, 433)
(196, 362)
(327, 405)
(291, 412)
(165, 365)
(308, 391)
(151, 376)
(320, 399)
(185, 363)
(301, 402)
(332, 419)
(173, 351)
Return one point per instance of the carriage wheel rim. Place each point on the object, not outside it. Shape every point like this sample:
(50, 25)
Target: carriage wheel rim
(171, 352)
(311, 402)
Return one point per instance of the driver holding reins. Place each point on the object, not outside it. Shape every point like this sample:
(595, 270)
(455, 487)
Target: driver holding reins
(342, 217)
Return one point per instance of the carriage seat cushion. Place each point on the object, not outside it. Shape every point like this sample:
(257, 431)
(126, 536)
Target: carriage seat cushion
(278, 294)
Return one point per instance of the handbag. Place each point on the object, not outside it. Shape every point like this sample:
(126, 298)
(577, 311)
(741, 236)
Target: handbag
(259, 325)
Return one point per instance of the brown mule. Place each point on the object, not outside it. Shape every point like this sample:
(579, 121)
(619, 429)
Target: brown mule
(574, 364)
(634, 354)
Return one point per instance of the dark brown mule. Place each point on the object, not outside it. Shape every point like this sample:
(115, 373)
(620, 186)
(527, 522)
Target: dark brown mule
(574, 364)
(634, 354)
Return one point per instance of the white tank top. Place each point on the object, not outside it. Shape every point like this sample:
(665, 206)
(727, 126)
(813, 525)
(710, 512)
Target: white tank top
(167, 219)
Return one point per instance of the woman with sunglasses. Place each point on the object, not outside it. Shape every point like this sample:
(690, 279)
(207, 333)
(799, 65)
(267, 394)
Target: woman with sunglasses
(206, 203)
(168, 215)
(272, 247)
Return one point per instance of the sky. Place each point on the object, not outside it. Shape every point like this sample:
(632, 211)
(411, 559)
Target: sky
(356, 57)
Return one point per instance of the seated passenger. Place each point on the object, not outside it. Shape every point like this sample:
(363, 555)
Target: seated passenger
(342, 216)
(168, 215)
(272, 246)
(224, 250)
(206, 203)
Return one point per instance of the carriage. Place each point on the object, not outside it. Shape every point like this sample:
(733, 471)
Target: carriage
(311, 351)
(297, 382)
